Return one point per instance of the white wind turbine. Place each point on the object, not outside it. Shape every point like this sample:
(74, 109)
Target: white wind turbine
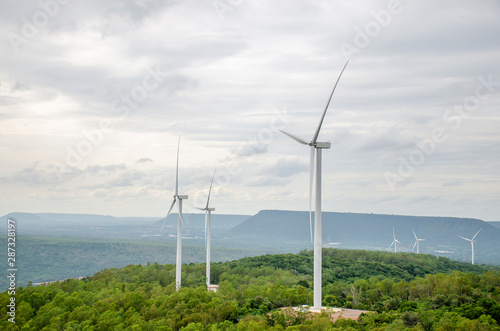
(472, 241)
(417, 241)
(395, 242)
(178, 261)
(208, 212)
(316, 148)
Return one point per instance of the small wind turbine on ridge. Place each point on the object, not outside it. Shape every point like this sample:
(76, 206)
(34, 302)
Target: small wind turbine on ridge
(177, 197)
(395, 242)
(417, 241)
(316, 150)
(472, 241)
(208, 212)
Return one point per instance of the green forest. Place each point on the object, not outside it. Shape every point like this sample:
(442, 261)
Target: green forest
(402, 291)
(42, 259)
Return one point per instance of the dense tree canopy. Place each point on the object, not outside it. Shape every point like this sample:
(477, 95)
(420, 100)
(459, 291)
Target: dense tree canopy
(417, 292)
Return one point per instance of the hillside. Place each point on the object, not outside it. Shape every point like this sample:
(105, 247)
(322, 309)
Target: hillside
(402, 291)
(373, 231)
(60, 246)
(42, 259)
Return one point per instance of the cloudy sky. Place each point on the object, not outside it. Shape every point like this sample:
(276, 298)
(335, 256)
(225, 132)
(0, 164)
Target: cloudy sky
(94, 95)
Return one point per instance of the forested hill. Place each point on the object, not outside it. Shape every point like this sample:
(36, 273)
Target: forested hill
(352, 264)
(402, 291)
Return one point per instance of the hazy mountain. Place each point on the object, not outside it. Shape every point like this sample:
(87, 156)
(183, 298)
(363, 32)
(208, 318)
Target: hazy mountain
(374, 231)
(218, 221)
(495, 224)
(117, 227)
(286, 230)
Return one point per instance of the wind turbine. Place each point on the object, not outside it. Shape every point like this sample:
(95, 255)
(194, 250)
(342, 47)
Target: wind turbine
(177, 197)
(417, 241)
(395, 242)
(472, 241)
(316, 148)
(208, 212)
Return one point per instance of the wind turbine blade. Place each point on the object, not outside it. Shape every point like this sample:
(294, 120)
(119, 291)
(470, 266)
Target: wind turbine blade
(200, 208)
(414, 245)
(210, 190)
(316, 134)
(177, 168)
(180, 212)
(414, 233)
(297, 139)
(476, 234)
(311, 179)
(391, 244)
(393, 234)
(171, 206)
(465, 238)
(206, 221)
(398, 241)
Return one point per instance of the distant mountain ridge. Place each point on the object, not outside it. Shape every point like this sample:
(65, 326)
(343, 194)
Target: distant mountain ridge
(374, 231)
(286, 230)
(495, 224)
(114, 227)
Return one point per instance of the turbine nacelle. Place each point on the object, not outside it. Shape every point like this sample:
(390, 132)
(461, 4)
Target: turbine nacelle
(324, 145)
(181, 197)
(317, 144)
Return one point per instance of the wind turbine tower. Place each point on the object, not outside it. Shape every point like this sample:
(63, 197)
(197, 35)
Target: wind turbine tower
(472, 241)
(417, 241)
(395, 242)
(316, 150)
(208, 213)
(177, 197)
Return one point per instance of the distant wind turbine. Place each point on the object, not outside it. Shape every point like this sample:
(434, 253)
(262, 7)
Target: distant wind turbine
(178, 261)
(395, 242)
(316, 148)
(472, 241)
(417, 241)
(208, 212)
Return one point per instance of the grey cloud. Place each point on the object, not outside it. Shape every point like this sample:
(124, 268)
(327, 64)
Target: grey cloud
(425, 198)
(286, 166)
(18, 86)
(393, 140)
(452, 183)
(389, 198)
(250, 148)
(275, 172)
(55, 174)
(144, 160)
(129, 178)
